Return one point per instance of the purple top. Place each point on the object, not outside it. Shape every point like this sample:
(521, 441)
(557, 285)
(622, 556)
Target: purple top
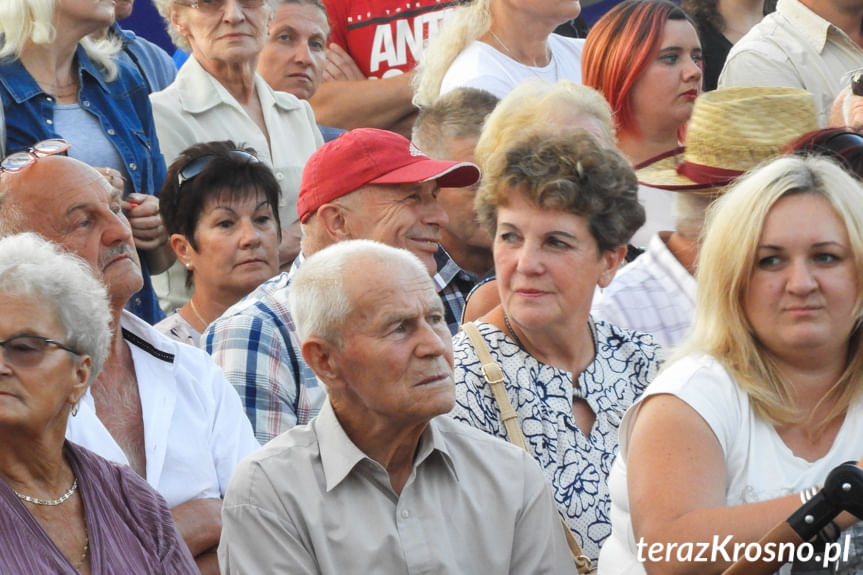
(130, 526)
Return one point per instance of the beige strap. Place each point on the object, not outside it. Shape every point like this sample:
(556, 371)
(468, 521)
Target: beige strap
(493, 374)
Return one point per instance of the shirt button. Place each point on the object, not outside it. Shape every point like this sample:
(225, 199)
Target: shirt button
(86, 103)
(280, 176)
(49, 99)
(110, 131)
(49, 121)
(405, 514)
(133, 166)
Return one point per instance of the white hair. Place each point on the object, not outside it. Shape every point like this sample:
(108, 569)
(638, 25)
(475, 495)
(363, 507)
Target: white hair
(64, 283)
(318, 300)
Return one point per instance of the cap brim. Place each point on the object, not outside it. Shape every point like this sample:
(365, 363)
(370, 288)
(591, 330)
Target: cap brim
(662, 174)
(447, 174)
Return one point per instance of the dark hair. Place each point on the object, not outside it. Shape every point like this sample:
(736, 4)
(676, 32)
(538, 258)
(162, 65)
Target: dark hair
(226, 174)
(572, 172)
(844, 146)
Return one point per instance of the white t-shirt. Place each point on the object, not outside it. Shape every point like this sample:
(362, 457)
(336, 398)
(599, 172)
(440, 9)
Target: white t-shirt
(759, 464)
(481, 66)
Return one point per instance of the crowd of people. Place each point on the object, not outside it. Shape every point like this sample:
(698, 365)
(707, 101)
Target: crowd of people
(366, 286)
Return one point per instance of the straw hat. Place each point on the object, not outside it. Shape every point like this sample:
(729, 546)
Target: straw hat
(731, 131)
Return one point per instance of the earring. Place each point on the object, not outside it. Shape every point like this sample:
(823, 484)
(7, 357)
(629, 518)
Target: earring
(75, 409)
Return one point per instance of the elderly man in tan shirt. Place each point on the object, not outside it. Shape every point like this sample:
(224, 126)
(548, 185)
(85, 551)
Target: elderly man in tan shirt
(381, 481)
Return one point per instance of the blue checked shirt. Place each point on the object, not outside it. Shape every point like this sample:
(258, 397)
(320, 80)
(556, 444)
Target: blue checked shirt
(256, 345)
(452, 284)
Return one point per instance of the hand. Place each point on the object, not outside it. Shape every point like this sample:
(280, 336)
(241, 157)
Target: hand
(340, 66)
(142, 211)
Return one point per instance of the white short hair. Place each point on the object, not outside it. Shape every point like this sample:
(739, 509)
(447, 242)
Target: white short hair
(317, 297)
(34, 267)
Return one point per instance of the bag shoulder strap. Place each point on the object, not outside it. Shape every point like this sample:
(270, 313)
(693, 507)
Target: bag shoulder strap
(493, 375)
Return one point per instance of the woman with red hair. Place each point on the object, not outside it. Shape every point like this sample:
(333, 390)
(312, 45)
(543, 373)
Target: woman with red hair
(644, 56)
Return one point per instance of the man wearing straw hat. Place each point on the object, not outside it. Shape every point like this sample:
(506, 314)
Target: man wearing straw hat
(731, 131)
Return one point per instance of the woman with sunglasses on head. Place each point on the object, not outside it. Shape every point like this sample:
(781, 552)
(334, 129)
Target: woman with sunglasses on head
(55, 81)
(218, 95)
(220, 205)
(64, 509)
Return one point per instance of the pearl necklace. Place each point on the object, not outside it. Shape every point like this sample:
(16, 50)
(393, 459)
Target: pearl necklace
(50, 502)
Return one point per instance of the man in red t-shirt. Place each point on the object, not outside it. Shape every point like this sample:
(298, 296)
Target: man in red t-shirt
(374, 46)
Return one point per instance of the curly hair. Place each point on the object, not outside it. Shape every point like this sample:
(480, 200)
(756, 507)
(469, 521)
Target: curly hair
(570, 171)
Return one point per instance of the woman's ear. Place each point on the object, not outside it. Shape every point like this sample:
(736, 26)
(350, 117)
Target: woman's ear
(182, 249)
(82, 379)
(612, 260)
(176, 22)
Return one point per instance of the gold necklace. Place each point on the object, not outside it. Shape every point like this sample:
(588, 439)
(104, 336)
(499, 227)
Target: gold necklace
(204, 323)
(512, 55)
(49, 502)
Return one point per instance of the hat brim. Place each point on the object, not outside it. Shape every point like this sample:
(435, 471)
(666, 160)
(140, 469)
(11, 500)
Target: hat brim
(447, 174)
(662, 174)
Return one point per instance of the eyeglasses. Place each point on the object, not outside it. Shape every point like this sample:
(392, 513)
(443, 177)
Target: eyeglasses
(195, 167)
(20, 160)
(29, 350)
(213, 6)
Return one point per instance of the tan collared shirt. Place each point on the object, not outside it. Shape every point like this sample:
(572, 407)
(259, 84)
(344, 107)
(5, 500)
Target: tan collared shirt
(794, 47)
(310, 501)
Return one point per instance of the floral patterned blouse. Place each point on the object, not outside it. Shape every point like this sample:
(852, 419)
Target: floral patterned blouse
(577, 465)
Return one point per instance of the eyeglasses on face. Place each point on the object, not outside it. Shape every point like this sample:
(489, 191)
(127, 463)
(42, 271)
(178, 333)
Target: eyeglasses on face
(21, 160)
(219, 5)
(29, 350)
(195, 167)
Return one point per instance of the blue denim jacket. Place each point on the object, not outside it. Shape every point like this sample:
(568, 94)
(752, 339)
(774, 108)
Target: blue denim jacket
(123, 109)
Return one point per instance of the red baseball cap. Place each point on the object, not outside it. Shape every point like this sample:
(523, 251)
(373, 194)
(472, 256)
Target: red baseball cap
(370, 156)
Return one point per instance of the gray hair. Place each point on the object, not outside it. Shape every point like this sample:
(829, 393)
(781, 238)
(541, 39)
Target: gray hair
(457, 114)
(34, 267)
(318, 300)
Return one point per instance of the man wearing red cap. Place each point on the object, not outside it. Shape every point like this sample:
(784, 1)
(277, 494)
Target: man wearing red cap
(366, 184)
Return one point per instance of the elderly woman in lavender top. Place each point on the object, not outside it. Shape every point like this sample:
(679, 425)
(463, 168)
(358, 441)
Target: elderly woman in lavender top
(64, 509)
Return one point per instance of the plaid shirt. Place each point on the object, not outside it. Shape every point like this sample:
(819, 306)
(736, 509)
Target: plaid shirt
(256, 345)
(452, 284)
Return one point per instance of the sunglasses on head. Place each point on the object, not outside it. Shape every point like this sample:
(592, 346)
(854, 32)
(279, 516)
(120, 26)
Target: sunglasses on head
(195, 167)
(22, 160)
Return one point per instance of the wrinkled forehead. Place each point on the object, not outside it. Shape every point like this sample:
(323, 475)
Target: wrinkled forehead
(52, 184)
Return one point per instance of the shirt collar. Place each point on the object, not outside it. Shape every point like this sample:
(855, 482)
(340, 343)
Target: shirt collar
(812, 27)
(447, 269)
(340, 455)
(22, 87)
(202, 91)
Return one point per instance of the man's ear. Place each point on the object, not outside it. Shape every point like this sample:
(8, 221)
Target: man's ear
(335, 221)
(323, 357)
